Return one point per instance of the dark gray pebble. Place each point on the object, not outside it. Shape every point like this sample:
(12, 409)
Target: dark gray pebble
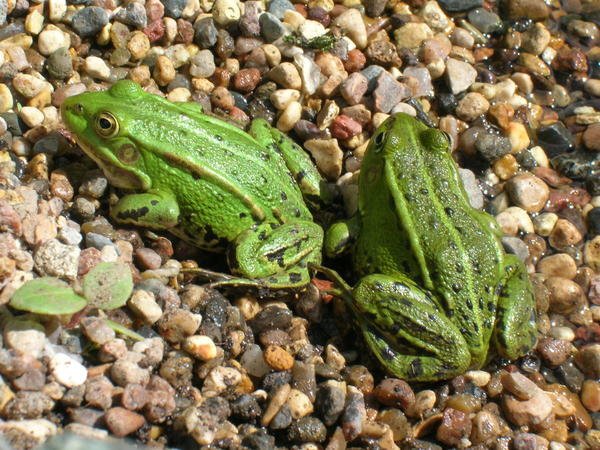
(205, 33)
(555, 139)
(329, 403)
(485, 21)
(173, 8)
(282, 419)
(245, 407)
(89, 21)
(492, 146)
(307, 429)
(271, 27)
(59, 64)
(459, 5)
(134, 14)
(271, 317)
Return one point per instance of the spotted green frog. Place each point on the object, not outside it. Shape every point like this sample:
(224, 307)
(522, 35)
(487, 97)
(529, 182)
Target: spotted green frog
(205, 180)
(436, 286)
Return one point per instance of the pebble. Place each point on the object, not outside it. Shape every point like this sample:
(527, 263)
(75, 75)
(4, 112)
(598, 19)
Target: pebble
(559, 264)
(134, 14)
(484, 20)
(459, 75)
(354, 88)
(527, 9)
(202, 64)
(97, 68)
(271, 27)
(51, 39)
(66, 370)
(327, 155)
(307, 429)
(89, 21)
(97, 330)
(279, 7)
(200, 347)
(28, 85)
(52, 258)
(226, 12)
(455, 426)
(590, 395)
(59, 64)
(25, 337)
(528, 192)
(412, 35)
(6, 98)
(472, 106)
(518, 136)
(591, 253)
(286, 74)
(565, 295)
(122, 422)
(143, 304)
(352, 25)
(174, 8)
(289, 117)
(278, 358)
(388, 93)
(459, 5)
(555, 139)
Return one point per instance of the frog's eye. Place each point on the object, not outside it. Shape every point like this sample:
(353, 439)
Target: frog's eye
(128, 154)
(378, 141)
(106, 125)
(435, 140)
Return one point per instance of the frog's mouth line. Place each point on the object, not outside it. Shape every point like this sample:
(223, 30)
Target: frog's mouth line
(117, 176)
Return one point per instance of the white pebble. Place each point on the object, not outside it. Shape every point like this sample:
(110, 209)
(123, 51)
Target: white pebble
(31, 116)
(96, 68)
(67, 371)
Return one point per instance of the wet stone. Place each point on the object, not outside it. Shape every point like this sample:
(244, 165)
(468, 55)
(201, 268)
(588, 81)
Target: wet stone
(271, 27)
(459, 5)
(329, 402)
(593, 221)
(307, 429)
(485, 21)
(492, 146)
(375, 8)
(555, 139)
(245, 407)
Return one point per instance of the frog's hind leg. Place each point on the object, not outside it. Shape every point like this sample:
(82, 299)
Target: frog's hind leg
(275, 257)
(515, 332)
(406, 329)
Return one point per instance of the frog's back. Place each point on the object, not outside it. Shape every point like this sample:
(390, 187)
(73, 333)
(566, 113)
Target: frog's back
(219, 174)
(452, 246)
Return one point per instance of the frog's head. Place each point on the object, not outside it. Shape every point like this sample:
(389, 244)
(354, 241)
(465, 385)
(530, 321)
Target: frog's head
(404, 131)
(99, 122)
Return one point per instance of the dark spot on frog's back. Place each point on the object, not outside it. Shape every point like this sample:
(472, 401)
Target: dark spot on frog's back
(242, 215)
(209, 234)
(416, 367)
(300, 176)
(154, 202)
(449, 210)
(134, 214)
(295, 277)
(283, 196)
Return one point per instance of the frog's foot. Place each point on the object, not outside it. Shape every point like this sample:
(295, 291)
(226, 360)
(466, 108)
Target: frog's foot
(515, 332)
(407, 331)
(276, 257)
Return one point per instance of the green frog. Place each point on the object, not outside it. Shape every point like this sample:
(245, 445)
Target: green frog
(436, 287)
(206, 181)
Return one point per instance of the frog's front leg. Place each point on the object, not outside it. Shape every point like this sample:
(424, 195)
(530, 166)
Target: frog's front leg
(515, 331)
(313, 187)
(407, 330)
(340, 236)
(153, 209)
(275, 257)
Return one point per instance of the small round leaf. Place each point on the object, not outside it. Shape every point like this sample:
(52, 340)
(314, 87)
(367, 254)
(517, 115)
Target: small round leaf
(108, 285)
(47, 295)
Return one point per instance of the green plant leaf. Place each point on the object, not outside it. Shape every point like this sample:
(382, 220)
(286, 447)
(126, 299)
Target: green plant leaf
(108, 285)
(47, 295)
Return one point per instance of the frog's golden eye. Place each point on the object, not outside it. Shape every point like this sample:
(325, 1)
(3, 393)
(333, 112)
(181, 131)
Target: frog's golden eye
(128, 154)
(106, 125)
